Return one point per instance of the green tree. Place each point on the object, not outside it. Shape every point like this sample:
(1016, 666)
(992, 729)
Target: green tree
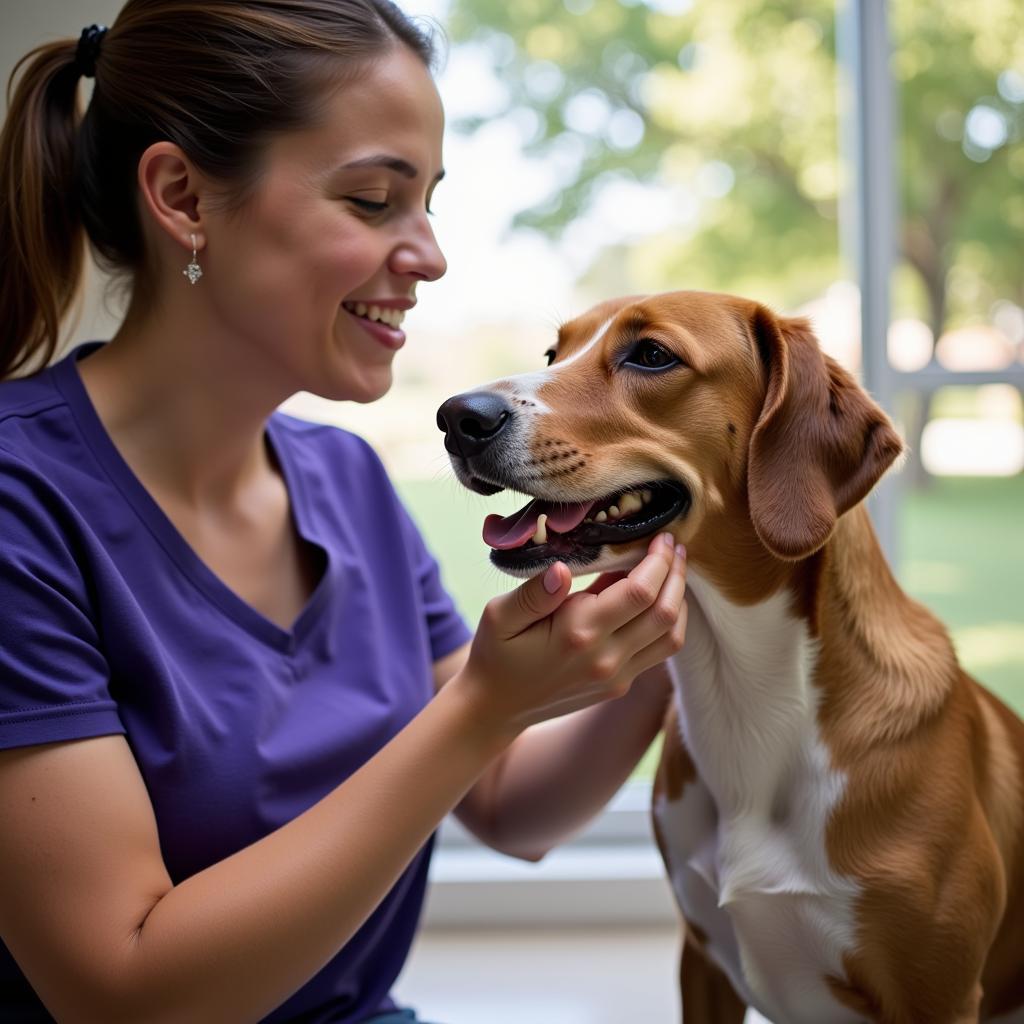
(960, 69)
(735, 102)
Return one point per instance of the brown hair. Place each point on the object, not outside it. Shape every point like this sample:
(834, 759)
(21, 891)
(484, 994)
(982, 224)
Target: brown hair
(217, 77)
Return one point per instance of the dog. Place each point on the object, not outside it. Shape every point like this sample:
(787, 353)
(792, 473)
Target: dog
(839, 806)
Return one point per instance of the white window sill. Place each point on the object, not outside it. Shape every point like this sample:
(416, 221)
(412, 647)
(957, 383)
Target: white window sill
(610, 874)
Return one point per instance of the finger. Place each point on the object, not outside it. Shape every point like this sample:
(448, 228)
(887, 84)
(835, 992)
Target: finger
(512, 613)
(659, 619)
(603, 582)
(662, 649)
(624, 600)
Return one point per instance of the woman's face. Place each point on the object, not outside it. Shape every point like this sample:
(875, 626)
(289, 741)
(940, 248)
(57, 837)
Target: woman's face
(314, 273)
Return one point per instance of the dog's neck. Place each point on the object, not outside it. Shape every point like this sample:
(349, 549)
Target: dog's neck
(743, 684)
(830, 650)
(886, 664)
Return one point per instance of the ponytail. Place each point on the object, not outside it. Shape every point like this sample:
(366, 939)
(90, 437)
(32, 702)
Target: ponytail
(42, 243)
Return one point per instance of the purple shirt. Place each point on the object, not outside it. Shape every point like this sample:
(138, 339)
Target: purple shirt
(110, 623)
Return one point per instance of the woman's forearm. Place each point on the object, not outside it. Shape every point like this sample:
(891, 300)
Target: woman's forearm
(235, 940)
(557, 775)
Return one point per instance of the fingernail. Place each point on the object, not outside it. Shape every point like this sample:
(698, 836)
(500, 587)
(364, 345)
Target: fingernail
(681, 550)
(552, 579)
(668, 539)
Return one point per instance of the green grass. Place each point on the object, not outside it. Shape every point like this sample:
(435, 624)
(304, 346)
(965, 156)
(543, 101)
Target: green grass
(962, 556)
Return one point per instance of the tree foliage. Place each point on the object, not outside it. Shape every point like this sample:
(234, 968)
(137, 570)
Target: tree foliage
(734, 103)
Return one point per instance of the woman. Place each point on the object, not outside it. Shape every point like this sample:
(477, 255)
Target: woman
(235, 700)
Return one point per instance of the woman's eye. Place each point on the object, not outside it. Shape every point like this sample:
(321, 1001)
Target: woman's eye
(649, 355)
(369, 205)
(550, 356)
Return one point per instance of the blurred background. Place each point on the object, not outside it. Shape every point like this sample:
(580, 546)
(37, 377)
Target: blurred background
(853, 161)
(607, 147)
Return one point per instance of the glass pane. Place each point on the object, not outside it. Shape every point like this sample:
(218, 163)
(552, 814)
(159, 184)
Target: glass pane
(958, 304)
(603, 148)
(608, 147)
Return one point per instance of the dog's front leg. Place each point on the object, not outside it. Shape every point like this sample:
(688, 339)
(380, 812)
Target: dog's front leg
(708, 996)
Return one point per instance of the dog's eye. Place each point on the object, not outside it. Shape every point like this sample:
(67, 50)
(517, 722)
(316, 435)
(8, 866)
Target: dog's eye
(550, 356)
(649, 355)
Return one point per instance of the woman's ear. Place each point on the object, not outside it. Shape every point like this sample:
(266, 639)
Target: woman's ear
(820, 443)
(169, 186)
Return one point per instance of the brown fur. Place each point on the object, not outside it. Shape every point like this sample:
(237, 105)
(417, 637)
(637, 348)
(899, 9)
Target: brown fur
(779, 445)
(707, 994)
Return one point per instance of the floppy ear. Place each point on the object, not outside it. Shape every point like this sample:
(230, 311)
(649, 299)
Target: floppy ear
(820, 443)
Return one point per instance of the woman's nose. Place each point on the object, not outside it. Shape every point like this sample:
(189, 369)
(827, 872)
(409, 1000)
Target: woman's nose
(420, 256)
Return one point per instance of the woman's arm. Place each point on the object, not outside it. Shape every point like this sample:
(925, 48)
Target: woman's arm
(91, 916)
(557, 775)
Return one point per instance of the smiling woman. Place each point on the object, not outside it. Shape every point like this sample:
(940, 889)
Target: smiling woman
(235, 698)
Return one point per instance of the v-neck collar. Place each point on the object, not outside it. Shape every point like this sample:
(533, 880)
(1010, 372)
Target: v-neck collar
(181, 553)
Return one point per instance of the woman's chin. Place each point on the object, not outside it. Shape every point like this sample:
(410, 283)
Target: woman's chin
(362, 387)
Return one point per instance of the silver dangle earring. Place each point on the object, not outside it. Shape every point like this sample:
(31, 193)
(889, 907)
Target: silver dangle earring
(193, 271)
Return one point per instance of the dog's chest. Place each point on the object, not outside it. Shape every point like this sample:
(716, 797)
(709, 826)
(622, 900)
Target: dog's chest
(746, 841)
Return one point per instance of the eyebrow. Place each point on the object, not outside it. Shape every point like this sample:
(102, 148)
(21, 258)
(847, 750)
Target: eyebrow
(393, 163)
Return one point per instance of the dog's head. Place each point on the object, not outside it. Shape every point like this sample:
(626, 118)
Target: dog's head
(703, 414)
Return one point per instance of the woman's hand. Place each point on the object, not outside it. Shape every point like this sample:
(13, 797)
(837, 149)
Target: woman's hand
(540, 652)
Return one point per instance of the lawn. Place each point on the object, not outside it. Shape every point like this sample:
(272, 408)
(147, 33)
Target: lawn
(962, 556)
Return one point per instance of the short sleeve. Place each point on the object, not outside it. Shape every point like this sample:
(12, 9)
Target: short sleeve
(53, 674)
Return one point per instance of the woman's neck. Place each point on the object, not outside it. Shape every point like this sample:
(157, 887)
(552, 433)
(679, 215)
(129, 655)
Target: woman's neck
(186, 412)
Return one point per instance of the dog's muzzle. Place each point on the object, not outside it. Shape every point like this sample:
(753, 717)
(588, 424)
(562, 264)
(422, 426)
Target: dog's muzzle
(481, 434)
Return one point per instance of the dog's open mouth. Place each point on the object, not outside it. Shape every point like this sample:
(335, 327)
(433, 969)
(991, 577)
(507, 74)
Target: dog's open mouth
(545, 531)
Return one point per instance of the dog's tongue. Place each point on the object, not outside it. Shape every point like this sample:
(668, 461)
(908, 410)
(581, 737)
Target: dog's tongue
(514, 531)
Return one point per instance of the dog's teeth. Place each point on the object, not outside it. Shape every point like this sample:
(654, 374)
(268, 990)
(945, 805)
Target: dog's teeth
(646, 495)
(630, 503)
(613, 512)
(601, 516)
(541, 535)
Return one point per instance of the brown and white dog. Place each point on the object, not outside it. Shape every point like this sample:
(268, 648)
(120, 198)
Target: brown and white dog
(839, 806)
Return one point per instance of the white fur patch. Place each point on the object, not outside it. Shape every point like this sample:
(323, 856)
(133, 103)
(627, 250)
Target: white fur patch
(584, 349)
(747, 839)
(525, 386)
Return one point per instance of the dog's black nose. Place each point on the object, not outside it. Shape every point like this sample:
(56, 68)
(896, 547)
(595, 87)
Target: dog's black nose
(472, 421)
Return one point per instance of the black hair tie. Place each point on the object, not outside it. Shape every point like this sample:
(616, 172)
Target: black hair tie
(89, 49)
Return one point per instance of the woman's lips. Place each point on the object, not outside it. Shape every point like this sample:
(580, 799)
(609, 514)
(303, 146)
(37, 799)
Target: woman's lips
(392, 338)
